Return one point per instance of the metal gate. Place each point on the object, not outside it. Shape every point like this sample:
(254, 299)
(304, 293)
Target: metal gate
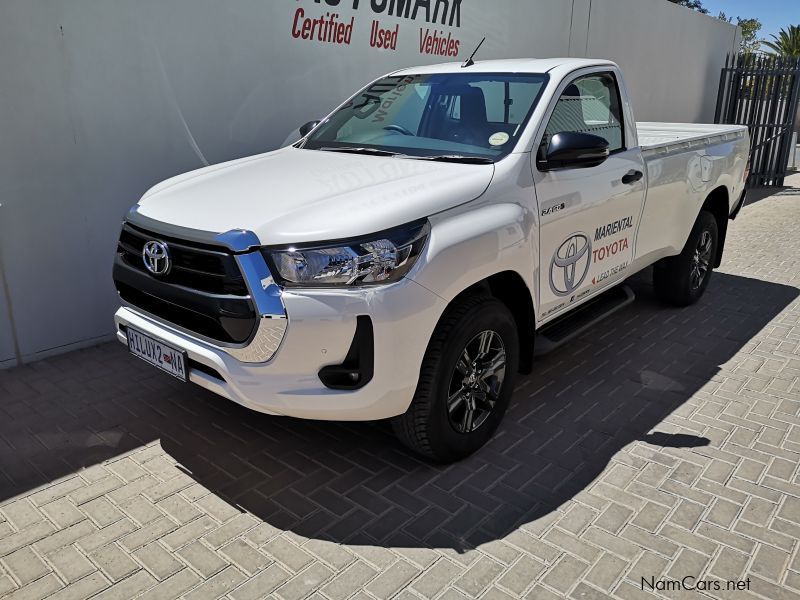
(762, 92)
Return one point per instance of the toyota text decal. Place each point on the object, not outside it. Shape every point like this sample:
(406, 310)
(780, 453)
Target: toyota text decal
(570, 264)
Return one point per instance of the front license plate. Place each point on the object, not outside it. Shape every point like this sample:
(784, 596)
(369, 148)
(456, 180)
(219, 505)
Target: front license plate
(158, 354)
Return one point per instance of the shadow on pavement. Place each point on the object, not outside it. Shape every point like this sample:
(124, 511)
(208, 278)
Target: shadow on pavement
(353, 483)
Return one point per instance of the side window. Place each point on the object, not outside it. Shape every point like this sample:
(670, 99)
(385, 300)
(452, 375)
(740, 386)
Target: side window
(590, 104)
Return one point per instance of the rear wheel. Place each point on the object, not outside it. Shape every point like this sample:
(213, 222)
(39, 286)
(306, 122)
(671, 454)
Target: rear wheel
(465, 382)
(681, 280)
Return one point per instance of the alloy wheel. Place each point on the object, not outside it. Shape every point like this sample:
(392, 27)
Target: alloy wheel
(476, 382)
(701, 260)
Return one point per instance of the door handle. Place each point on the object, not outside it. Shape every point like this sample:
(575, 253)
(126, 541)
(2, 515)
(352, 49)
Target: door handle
(632, 177)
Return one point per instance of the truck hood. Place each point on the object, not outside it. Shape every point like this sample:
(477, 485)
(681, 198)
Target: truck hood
(292, 195)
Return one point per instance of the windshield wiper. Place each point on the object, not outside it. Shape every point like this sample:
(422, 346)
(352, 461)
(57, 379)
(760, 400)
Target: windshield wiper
(361, 150)
(458, 158)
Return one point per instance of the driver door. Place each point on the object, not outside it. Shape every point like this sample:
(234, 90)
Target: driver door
(589, 217)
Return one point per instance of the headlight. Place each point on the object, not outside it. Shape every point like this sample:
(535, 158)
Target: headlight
(383, 257)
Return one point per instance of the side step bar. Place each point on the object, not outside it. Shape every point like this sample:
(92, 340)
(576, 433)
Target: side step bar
(568, 327)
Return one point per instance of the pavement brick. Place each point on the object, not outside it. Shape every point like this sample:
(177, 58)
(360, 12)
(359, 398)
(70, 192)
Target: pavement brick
(304, 583)
(202, 559)
(157, 560)
(661, 443)
(106, 535)
(41, 588)
(128, 587)
(565, 573)
(606, 571)
(21, 513)
(101, 512)
(64, 537)
(82, 588)
(173, 587)
(25, 537)
(182, 535)
(392, 580)
(115, 563)
(62, 512)
(25, 565)
(217, 585)
(244, 556)
(70, 564)
(263, 584)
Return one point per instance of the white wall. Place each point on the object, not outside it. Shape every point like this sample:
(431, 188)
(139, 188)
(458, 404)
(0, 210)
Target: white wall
(672, 63)
(7, 354)
(100, 99)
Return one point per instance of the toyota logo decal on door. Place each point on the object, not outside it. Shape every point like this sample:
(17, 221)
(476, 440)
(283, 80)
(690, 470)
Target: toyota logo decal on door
(570, 264)
(156, 258)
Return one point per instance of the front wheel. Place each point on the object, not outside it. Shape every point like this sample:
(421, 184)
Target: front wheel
(681, 280)
(465, 381)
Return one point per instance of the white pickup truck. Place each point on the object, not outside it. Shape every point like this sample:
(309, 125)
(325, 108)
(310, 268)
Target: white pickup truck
(417, 248)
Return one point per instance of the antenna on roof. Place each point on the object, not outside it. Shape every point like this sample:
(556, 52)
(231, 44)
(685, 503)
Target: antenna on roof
(469, 62)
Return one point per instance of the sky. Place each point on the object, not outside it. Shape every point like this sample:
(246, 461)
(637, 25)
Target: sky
(773, 14)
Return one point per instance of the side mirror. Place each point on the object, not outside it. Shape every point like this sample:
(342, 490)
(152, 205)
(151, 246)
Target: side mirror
(573, 150)
(306, 129)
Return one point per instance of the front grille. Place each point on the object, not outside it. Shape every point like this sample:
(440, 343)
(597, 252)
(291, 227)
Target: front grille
(204, 292)
(200, 267)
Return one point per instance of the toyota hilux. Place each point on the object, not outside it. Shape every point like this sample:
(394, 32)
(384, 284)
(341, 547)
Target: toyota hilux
(423, 243)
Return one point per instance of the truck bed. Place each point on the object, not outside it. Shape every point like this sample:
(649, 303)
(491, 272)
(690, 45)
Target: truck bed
(657, 138)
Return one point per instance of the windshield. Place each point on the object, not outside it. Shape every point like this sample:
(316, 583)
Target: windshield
(453, 114)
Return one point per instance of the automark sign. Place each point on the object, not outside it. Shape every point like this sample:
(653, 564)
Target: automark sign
(325, 21)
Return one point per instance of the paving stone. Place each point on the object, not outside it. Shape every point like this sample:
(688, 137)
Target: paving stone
(770, 563)
(202, 558)
(41, 588)
(21, 513)
(70, 564)
(25, 537)
(263, 584)
(115, 563)
(392, 580)
(520, 576)
(64, 537)
(128, 587)
(25, 565)
(479, 576)
(218, 585)
(565, 573)
(101, 512)
(244, 556)
(173, 587)
(158, 560)
(300, 586)
(606, 571)
(82, 588)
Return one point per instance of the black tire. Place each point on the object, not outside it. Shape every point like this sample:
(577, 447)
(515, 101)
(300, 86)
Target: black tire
(438, 428)
(681, 280)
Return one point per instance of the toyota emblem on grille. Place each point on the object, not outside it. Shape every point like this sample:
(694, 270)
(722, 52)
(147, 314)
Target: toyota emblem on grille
(156, 257)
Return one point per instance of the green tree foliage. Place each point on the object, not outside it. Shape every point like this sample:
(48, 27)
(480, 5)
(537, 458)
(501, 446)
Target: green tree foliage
(693, 4)
(787, 42)
(750, 28)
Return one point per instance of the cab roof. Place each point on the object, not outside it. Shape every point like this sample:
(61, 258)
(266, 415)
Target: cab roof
(512, 65)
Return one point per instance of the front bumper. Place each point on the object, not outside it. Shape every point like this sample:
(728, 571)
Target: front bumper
(318, 332)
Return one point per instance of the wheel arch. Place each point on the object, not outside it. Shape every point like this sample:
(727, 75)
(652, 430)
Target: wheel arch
(718, 204)
(510, 288)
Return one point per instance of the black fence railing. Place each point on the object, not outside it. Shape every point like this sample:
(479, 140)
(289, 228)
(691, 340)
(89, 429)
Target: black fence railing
(762, 92)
